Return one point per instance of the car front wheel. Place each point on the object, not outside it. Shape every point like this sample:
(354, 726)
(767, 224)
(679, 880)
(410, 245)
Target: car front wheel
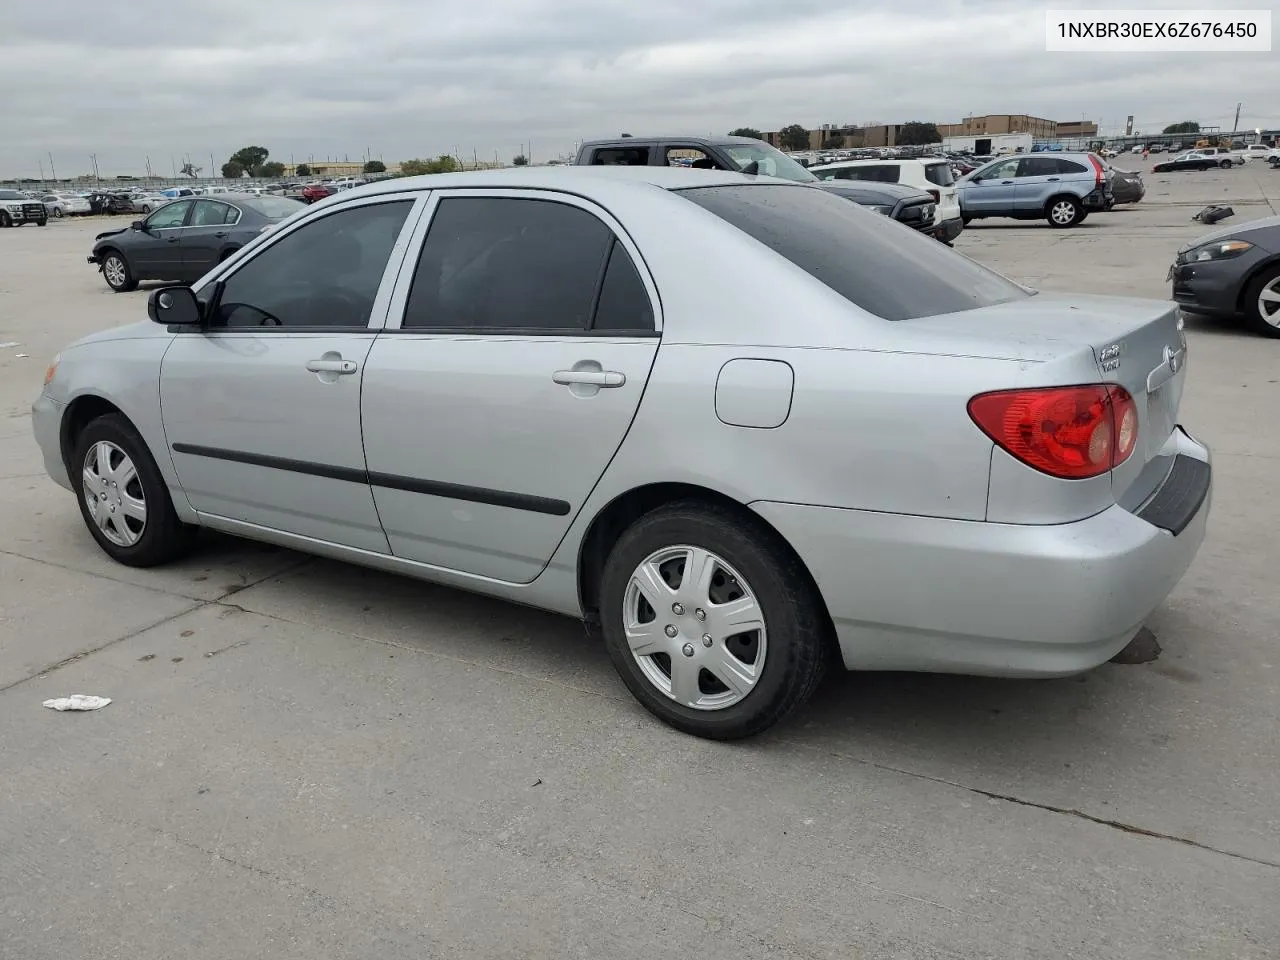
(115, 270)
(1065, 212)
(57, 212)
(711, 621)
(123, 498)
(5, 219)
(1262, 303)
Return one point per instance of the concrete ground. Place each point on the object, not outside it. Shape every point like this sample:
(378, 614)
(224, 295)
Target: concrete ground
(308, 760)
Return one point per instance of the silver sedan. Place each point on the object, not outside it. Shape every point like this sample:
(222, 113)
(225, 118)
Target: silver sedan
(744, 427)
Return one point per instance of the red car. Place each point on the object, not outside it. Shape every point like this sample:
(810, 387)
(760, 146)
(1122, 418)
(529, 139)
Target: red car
(316, 191)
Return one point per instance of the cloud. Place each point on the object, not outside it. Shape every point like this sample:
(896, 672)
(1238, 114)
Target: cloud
(332, 78)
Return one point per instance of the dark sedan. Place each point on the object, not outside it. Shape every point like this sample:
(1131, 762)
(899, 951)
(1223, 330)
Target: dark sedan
(183, 240)
(1187, 161)
(1127, 186)
(1233, 272)
(909, 206)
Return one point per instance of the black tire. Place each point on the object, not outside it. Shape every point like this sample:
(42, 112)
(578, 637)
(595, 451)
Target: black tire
(798, 646)
(42, 223)
(164, 537)
(5, 219)
(129, 281)
(57, 212)
(146, 209)
(1225, 164)
(1054, 212)
(966, 219)
(1253, 309)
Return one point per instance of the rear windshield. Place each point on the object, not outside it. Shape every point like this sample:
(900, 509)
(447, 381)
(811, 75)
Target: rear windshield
(890, 271)
(873, 172)
(940, 174)
(273, 208)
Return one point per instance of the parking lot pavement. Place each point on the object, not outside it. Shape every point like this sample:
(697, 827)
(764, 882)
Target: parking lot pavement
(306, 759)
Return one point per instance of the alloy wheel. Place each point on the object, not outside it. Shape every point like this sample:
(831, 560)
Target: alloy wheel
(1063, 212)
(114, 270)
(695, 628)
(113, 492)
(1269, 303)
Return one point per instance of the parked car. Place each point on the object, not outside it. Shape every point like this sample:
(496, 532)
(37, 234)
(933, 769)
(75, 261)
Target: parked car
(988, 443)
(316, 191)
(148, 202)
(176, 193)
(17, 208)
(1127, 186)
(742, 154)
(186, 238)
(1192, 160)
(1252, 151)
(1063, 188)
(932, 175)
(907, 205)
(1232, 272)
(65, 205)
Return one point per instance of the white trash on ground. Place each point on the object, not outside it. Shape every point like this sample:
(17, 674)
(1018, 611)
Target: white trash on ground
(77, 701)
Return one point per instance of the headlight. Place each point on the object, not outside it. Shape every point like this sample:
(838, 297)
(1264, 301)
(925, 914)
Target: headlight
(1218, 250)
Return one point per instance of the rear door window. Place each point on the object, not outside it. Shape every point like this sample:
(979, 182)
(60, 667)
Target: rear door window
(620, 157)
(876, 172)
(1070, 166)
(892, 273)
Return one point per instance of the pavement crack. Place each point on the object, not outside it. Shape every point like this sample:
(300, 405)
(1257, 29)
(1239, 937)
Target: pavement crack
(1046, 807)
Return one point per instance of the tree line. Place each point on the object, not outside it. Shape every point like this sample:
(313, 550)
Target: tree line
(254, 162)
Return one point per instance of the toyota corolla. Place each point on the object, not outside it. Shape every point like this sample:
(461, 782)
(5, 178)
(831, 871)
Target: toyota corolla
(744, 426)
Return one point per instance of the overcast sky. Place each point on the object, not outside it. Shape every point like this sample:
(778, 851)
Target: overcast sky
(405, 78)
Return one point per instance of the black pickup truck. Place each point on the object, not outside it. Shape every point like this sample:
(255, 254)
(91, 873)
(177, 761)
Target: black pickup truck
(911, 207)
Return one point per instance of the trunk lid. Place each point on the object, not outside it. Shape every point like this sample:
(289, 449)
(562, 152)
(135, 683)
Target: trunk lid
(1138, 344)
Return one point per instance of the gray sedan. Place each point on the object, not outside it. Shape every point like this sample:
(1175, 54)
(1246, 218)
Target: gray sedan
(744, 427)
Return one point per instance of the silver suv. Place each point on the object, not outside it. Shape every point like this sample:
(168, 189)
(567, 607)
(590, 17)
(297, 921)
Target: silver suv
(1059, 187)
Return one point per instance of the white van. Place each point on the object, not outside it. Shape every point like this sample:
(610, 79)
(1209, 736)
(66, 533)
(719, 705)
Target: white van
(930, 174)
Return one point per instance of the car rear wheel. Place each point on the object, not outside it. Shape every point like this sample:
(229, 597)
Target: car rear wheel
(1225, 164)
(115, 270)
(1064, 212)
(712, 623)
(57, 212)
(1262, 303)
(123, 498)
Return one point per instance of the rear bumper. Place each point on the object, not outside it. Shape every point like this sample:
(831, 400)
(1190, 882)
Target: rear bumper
(1097, 200)
(989, 599)
(948, 230)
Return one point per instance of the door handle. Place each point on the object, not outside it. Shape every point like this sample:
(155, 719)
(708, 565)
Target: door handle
(1054, 179)
(594, 378)
(332, 366)
(1005, 183)
(172, 239)
(221, 233)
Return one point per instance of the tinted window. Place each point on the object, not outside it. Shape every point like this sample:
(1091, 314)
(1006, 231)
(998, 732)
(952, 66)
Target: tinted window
(621, 157)
(324, 274)
(1039, 167)
(501, 263)
(170, 215)
(891, 272)
(1070, 166)
(624, 302)
(873, 172)
(939, 174)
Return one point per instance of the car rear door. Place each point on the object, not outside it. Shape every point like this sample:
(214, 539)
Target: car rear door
(1038, 179)
(261, 409)
(206, 235)
(518, 346)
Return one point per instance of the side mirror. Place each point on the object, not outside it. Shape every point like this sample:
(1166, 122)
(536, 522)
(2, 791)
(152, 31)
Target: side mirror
(174, 307)
(136, 225)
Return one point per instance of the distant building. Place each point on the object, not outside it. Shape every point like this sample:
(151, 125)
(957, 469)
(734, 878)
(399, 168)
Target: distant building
(989, 125)
(993, 124)
(1076, 128)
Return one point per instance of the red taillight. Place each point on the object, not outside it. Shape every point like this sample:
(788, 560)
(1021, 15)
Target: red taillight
(937, 196)
(1099, 172)
(1069, 432)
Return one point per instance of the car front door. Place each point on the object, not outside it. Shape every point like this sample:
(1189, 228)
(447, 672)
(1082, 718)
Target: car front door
(261, 409)
(992, 192)
(157, 254)
(523, 346)
(205, 236)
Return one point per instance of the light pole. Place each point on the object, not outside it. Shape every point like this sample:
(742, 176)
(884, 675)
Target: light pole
(1235, 124)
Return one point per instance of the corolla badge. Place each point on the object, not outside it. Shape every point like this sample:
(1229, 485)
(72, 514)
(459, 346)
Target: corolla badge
(1173, 358)
(1110, 357)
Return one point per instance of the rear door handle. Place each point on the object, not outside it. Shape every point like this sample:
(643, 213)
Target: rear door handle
(1005, 183)
(172, 239)
(595, 378)
(332, 366)
(221, 233)
(1054, 179)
